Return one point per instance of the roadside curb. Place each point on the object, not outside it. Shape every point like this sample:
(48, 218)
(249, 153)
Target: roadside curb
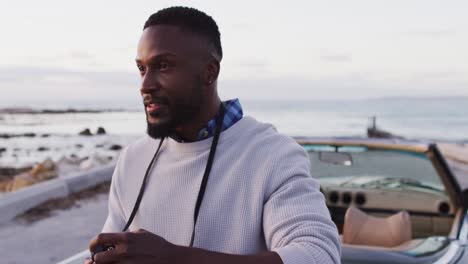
(15, 203)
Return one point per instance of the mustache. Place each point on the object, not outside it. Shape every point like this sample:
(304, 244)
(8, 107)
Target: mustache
(149, 99)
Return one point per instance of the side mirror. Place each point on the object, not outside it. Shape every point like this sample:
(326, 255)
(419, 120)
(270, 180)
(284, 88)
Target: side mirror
(336, 158)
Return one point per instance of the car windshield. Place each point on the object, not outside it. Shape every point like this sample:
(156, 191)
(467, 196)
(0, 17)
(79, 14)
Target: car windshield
(373, 168)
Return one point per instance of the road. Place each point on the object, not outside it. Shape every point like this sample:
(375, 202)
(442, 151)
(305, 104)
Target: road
(52, 239)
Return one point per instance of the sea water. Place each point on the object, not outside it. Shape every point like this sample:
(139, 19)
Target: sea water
(440, 119)
(433, 119)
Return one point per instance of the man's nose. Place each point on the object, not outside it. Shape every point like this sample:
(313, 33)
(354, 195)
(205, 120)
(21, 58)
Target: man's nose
(149, 83)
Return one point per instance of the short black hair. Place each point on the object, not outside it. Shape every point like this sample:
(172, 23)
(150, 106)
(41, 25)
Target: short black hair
(190, 19)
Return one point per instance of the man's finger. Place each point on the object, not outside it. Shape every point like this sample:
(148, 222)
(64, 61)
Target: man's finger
(139, 231)
(109, 256)
(115, 255)
(104, 239)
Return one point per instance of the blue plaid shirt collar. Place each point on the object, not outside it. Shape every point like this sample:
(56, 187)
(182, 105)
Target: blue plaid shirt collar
(233, 113)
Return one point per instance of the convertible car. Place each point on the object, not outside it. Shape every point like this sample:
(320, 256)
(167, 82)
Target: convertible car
(393, 201)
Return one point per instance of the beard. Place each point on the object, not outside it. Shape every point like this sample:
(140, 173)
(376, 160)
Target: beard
(180, 111)
(160, 130)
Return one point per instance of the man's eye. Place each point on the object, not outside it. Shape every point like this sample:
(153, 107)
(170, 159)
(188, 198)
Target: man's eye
(141, 68)
(163, 66)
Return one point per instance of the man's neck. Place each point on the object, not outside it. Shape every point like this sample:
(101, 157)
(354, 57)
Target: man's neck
(189, 131)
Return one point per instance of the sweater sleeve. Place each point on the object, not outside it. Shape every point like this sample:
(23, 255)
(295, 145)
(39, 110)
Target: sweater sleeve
(115, 221)
(296, 222)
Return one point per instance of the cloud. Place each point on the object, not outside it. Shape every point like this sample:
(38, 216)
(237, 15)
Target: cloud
(294, 88)
(437, 75)
(257, 64)
(431, 33)
(338, 57)
(243, 25)
(81, 55)
(28, 85)
(352, 86)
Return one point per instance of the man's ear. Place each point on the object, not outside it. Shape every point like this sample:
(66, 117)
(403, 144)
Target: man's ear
(211, 71)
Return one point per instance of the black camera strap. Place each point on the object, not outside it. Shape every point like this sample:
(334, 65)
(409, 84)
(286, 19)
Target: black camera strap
(142, 188)
(206, 174)
(209, 164)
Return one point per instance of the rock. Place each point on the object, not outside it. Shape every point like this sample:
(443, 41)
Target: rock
(72, 159)
(375, 132)
(67, 164)
(4, 185)
(44, 170)
(41, 172)
(3, 135)
(85, 132)
(46, 176)
(10, 171)
(93, 161)
(24, 180)
(101, 159)
(42, 149)
(20, 181)
(6, 136)
(87, 165)
(46, 165)
(115, 147)
(100, 131)
(29, 134)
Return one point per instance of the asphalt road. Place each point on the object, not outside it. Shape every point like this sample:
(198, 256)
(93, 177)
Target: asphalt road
(52, 239)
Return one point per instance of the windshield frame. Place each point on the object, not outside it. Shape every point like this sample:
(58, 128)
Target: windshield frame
(430, 150)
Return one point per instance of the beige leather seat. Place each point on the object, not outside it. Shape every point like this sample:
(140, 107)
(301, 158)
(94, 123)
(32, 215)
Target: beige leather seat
(362, 229)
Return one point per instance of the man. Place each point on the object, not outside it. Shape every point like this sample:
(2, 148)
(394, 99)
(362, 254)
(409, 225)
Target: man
(220, 187)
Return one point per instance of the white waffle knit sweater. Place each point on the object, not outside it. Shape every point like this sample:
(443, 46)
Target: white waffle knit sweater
(260, 195)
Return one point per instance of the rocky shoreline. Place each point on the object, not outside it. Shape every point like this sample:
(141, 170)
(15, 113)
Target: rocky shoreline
(29, 135)
(12, 111)
(30, 158)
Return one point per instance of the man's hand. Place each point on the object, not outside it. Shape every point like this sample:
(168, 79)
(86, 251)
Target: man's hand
(132, 247)
(144, 247)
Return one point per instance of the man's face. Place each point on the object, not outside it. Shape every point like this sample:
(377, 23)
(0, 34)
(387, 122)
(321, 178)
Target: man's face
(170, 66)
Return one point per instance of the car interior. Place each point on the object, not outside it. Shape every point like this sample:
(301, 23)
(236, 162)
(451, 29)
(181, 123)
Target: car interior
(389, 220)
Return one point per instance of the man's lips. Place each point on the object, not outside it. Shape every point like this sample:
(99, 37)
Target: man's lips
(153, 107)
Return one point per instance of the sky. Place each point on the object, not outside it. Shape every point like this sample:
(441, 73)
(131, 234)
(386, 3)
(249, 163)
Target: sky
(66, 52)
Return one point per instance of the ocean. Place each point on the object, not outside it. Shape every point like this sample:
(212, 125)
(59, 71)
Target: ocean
(444, 119)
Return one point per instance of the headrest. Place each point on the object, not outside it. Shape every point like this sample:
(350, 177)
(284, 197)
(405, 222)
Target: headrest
(362, 229)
